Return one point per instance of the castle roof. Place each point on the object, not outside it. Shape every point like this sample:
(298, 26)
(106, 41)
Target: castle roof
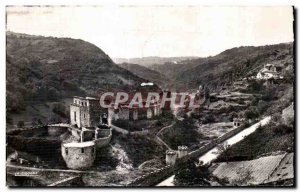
(79, 145)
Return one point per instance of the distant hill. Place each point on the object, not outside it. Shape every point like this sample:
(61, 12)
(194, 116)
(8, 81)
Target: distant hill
(225, 67)
(146, 73)
(147, 61)
(41, 69)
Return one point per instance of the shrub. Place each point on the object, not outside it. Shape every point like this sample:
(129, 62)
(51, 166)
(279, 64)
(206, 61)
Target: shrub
(209, 119)
(182, 133)
(252, 113)
(192, 175)
(282, 129)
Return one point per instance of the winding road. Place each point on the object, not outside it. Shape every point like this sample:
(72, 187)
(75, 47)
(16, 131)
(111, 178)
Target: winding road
(213, 153)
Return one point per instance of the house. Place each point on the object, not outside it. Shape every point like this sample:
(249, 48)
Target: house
(269, 71)
(261, 171)
(125, 112)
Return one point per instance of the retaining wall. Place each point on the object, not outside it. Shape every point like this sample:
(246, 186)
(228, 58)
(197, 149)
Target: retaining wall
(104, 140)
(153, 177)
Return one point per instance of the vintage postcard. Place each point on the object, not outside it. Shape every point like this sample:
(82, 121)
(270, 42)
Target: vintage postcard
(150, 96)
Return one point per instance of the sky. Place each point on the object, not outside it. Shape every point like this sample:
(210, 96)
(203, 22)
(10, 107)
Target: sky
(165, 31)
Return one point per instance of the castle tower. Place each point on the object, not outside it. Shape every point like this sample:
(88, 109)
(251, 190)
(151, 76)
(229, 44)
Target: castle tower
(171, 157)
(85, 112)
(79, 155)
(182, 151)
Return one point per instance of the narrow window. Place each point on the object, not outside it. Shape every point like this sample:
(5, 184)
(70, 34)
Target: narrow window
(67, 151)
(82, 150)
(84, 115)
(75, 116)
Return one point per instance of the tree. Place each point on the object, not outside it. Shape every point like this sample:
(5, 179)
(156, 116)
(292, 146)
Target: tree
(193, 175)
(223, 149)
(182, 133)
(252, 113)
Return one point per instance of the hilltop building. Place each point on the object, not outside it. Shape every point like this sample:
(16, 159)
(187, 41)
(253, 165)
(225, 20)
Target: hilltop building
(89, 130)
(86, 112)
(269, 71)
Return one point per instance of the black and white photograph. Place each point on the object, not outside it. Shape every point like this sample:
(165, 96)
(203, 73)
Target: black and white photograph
(150, 96)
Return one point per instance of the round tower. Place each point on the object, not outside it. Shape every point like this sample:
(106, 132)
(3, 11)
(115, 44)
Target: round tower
(79, 155)
(171, 157)
(182, 151)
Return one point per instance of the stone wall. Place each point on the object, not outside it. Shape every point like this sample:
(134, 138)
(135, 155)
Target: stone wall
(75, 132)
(78, 157)
(75, 115)
(56, 130)
(119, 130)
(38, 146)
(144, 132)
(96, 112)
(87, 112)
(88, 135)
(153, 177)
(68, 182)
(28, 140)
(103, 141)
(171, 157)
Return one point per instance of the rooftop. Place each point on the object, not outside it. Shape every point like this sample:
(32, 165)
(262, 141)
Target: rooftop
(262, 170)
(80, 145)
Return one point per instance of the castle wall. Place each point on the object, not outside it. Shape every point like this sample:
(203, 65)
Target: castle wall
(171, 157)
(84, 116)
(75, 115)
(88, 135)
(85, 112)
(79, 155)
(182, 151)
(56, 130)
(101, 142)
(75, 132)
(95, 113)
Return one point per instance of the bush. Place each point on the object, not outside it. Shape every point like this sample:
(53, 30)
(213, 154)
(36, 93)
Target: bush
(182, 133)
(192, 175)
(252, 113)
(209, 119)
(282, 129)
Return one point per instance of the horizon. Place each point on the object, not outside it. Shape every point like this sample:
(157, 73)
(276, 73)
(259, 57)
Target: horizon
(147, 31)
(196, 57)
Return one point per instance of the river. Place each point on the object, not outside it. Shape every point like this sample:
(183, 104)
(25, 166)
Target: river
(213, 153)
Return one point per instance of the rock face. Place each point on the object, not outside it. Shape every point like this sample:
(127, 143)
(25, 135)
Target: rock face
(288, 114)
